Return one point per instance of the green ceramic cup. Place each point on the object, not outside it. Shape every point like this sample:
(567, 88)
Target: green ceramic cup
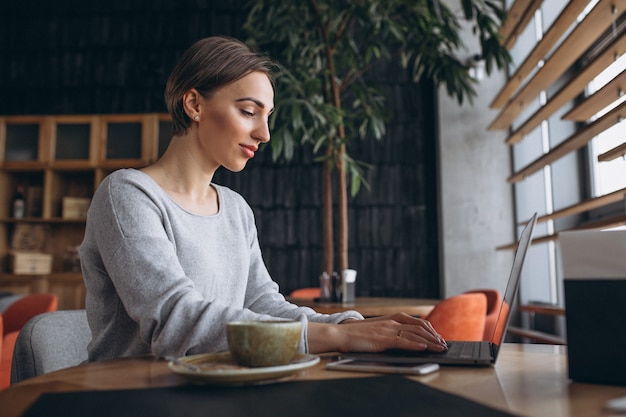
(263, 343)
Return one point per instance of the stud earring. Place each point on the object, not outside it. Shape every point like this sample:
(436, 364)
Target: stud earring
(196, 118)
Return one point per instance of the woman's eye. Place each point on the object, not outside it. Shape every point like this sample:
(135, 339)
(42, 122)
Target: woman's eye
(247, 113)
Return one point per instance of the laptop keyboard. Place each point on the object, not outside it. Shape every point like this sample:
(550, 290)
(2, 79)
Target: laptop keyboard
(463, 350)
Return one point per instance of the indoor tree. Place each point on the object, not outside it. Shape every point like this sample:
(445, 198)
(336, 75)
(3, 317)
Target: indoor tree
(325, 48)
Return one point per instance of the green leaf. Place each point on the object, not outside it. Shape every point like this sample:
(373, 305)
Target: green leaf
(319, 42)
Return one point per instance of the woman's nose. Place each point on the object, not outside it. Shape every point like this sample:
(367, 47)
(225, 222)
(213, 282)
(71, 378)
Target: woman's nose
(262, 133)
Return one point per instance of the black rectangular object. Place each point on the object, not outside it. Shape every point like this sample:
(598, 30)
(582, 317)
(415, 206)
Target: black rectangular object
(595, 323)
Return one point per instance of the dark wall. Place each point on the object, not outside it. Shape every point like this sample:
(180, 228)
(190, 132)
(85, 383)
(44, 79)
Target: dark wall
(91, 56)
(100, 56)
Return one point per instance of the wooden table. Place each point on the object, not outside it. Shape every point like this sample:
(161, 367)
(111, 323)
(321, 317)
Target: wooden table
(529, 380)
(372, 306)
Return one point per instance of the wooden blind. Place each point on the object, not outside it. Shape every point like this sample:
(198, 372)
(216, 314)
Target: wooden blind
(574, 142)
(580, 44)
(610, 155)
(576, 43)
(543, 47)
(572, 89)
(519, 14)
(599, 100)
(608, 222)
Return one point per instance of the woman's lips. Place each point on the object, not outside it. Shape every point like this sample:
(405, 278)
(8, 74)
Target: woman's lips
(248, 150)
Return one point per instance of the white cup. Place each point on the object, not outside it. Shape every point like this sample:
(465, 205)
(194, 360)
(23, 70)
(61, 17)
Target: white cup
(348, 284)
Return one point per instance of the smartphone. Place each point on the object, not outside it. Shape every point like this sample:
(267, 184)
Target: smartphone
(382, 367)
(616, 405)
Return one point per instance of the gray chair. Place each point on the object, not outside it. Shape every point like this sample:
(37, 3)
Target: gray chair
(50, 341)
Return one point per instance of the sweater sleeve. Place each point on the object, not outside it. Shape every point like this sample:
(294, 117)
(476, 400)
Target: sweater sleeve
(262, 295)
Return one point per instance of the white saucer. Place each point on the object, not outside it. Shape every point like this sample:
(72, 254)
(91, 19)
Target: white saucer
(220, 368)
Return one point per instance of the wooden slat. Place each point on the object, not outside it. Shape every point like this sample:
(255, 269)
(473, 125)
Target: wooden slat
(572, 89)
(574, 142)
(551, 37)
(612, 154)
(520, 13)
(605, 223)
(593, 104)
(549, 310)
(3, 137)
(514, 16)
(537, 336)
(586, 205)
(578, 41)
(535, 241)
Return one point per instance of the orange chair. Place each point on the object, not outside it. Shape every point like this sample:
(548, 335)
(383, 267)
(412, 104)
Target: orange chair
(306, 293)
(14, 318)
(460, 317)
(498, 336)
(1, 337)
(494, 300)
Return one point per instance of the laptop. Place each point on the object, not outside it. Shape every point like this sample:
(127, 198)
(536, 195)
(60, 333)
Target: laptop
(481, 353)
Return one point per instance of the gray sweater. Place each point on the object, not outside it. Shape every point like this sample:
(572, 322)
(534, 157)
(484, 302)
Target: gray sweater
(162, 280)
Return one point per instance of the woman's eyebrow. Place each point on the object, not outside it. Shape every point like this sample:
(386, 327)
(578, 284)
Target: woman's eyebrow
(255, 101)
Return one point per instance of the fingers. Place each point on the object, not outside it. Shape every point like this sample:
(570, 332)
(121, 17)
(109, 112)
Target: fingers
(416, 330)
(403, 318)
(406, 342)
(398, 331)
(420, 327)
(415, 338)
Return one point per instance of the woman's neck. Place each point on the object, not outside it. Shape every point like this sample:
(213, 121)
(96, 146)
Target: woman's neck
(181, 176)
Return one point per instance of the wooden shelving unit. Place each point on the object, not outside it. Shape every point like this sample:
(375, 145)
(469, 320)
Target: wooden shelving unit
(54, 157)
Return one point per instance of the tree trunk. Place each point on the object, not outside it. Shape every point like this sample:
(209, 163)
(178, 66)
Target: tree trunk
(336, 156)
(327, 222)
(342, 206)
(342, 186)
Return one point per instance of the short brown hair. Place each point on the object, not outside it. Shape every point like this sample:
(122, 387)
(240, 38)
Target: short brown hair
(207, 65)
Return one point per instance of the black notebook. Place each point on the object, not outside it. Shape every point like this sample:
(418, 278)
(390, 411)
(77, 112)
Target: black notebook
(375, 396)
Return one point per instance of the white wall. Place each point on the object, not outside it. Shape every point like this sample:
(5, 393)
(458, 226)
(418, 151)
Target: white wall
(476, 201)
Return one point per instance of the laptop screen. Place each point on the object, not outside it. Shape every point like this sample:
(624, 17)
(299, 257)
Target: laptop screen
(513, 284)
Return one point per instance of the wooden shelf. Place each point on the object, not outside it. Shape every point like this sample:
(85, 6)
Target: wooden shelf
(68, 286)
(24, 166)
(40, 220)
(66, 156)
(72, 165)
(577, 42)
(62, 276)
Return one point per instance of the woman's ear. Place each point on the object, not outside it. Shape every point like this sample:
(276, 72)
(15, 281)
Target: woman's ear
(191, 103)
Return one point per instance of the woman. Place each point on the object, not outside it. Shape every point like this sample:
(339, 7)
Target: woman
(169, 257)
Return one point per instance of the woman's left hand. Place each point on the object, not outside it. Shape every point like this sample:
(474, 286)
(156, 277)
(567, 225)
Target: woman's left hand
(395, 331)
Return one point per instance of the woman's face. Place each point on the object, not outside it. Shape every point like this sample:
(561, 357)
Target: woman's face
(234, 121)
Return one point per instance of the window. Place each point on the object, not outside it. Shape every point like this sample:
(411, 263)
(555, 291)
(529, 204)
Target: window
(610, 174)
(563, 109)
